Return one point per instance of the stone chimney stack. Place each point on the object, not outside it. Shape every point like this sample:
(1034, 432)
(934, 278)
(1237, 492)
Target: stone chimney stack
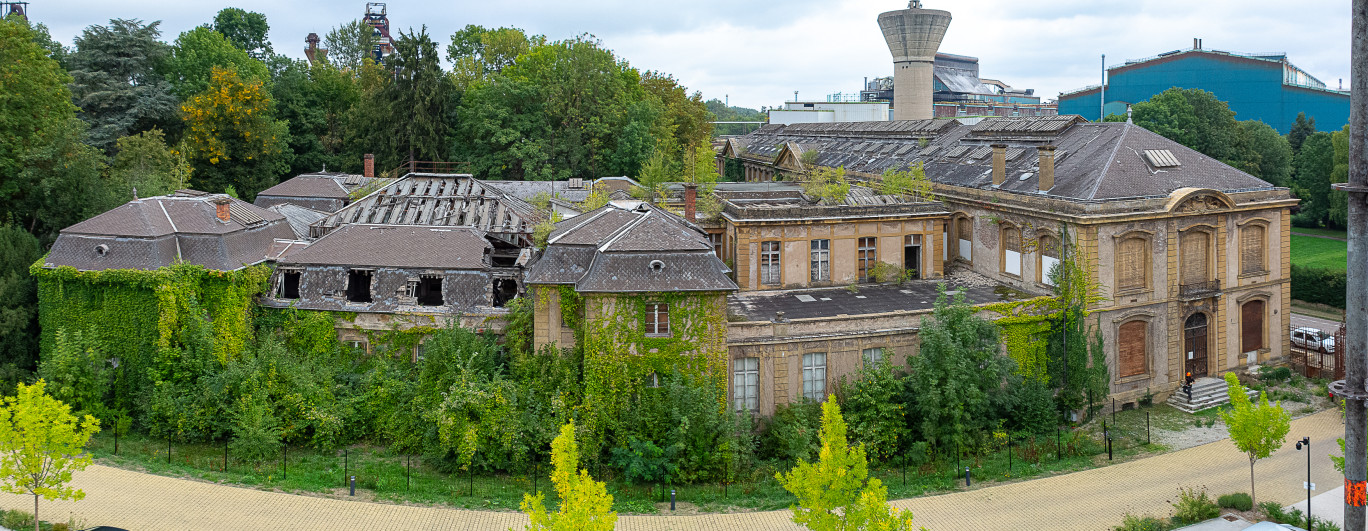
(221, 208)
(1046, 167)
(690, 201)
(369, 164)
(999, 164)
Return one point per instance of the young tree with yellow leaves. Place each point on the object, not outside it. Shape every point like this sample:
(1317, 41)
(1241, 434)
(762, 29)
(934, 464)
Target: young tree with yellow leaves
(232, 136)
(836, 493)
(585, 503)
(41, 443)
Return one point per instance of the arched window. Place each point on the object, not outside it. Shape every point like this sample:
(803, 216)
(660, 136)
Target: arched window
(1011, 250)
(1252, 249)
(1131, 350)
(1252, 326)
(1049, 257)
(1132, 263)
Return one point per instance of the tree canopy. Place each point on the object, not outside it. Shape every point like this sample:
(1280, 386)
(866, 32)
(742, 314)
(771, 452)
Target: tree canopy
(1196, 119)
(1256, 429)
(41, 444)
(196, 54)
(245, 29)
(115, 80)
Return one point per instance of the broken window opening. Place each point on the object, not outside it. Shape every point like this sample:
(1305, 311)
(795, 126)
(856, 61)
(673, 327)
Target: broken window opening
(359, 285)
(505, 289)
(289, 285)
(429, 291)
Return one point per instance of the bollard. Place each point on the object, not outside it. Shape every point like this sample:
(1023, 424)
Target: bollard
(672, 499)
(1109, 448)
(967, 480)
(353, 485)
(1059, 444)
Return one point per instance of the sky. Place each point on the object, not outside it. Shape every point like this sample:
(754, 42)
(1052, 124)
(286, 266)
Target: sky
(755, 54)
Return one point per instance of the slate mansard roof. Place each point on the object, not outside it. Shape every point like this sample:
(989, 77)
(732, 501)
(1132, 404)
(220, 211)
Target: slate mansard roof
(631, 247)
(159, 231)
(327, 191)
(1093, 161)
(397, 246)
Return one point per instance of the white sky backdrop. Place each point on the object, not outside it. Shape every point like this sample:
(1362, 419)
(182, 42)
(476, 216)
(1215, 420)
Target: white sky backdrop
(759, 52)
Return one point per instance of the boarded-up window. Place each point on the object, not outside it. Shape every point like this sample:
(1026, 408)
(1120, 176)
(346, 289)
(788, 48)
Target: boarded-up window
(1252, 249)
(1131, 349)
(1195, 247)
(966, 238)
(1011, 251)
(1132, 261)
(1252, 326)
(1049, 257)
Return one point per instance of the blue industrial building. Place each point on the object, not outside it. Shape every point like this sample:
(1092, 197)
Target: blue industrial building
(1257, 87)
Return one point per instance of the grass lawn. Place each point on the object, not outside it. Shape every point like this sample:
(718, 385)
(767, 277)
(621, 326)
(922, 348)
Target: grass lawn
(1333, 233)
(1319, 252)
(381, 476)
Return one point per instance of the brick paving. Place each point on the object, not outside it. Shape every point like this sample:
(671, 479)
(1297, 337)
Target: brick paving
(1093, 499)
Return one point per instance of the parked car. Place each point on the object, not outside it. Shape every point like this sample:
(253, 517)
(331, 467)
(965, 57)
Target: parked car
(1313, 339)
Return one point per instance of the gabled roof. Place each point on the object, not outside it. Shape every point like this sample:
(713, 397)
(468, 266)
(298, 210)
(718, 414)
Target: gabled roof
(299, 217)
(405, 246)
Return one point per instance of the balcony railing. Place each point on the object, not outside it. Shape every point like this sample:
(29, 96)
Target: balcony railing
(1199, 290)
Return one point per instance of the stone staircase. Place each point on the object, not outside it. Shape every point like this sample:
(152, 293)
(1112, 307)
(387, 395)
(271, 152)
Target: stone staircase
(1206, 394)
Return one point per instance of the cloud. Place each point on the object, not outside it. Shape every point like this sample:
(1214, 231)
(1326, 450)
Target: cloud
(758, 53)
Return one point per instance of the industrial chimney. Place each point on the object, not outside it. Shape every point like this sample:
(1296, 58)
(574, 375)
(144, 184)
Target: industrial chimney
(913, 35)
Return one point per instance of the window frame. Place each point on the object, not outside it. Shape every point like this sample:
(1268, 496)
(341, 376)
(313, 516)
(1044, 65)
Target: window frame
(1145, 260)
(963, 222)
(652, 323)
(771, 263)
(819, 265)
(1263, 325)
(1121, 373)
(1003, 257)
(1209, 233)
(1042, 272)
(866, 256)
(746, 384)
(1262, 268)
(811, 378)
(873, 355)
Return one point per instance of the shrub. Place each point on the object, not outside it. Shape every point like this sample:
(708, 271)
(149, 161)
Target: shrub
(1130, 522)
(792, 433)
(1194, 506)
(1314, 284)
(1274, 374)
(1238, 501)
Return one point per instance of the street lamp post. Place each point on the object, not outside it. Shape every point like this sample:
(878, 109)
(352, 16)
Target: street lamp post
(1306, 441)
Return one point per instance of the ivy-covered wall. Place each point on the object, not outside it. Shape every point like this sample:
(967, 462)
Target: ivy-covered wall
(133, 313)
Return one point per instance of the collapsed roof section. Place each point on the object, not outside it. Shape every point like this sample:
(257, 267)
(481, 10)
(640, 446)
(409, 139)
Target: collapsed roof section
(326, 191)
(630, 247)
(440, 200)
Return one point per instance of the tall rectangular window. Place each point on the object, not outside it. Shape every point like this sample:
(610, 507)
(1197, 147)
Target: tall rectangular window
(814, 375)
(1132, 264)
(873, 356)
(1131, 351)
(821, 260)
(866, 255)
(289, 285)
(1252, 249)
(658, 319)
(715, 238)
(769, 263)
(1011, 251)
(966, 238)
(1049, 258)
(746, 384)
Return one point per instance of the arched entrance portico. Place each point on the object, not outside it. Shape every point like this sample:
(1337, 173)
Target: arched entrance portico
(1195, 345)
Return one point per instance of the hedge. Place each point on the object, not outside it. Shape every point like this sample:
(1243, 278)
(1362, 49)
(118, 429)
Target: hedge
(1319, 285)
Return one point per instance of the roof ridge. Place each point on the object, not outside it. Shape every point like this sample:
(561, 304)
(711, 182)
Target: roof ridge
(624, 230)
(578, 226)
(1125, 131)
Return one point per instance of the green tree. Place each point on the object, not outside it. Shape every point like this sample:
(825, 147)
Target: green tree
(1314, 165)
(477, 52)
(232, 137)
(1256, 429)
(873, 405)
(256, 430)
(349, 44)
(1193, 118)
(1075, 355)
(585, 503)
(1338, 215)
(911, 182)
(958, 372)
(62, 176)
(654, 175)
(75, 371)
(827, 185)
(41, 444)
(722, 113)
(196, 54)
(315, 101)
(143, 162)
(1269, 155)
(18, 301)
(836, 492)
(418, 98)
(1301, 128)
(116, 83)
(245, 29)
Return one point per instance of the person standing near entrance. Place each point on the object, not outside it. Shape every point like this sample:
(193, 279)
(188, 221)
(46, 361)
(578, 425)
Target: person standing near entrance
(1187, 386)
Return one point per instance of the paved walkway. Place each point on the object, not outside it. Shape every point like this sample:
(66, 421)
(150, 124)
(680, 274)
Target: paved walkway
(1091, 500)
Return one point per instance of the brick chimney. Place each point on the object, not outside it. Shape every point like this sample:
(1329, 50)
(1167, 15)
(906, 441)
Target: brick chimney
(999, 164)
(690, 201)
(1046, 167)
(221, 208)
(369, 164)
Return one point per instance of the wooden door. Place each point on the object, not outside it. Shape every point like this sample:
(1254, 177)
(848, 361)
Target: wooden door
(1195, 345)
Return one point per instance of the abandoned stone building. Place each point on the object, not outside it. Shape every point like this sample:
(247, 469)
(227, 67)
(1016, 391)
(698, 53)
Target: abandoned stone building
(1190, 254)
(322, 191)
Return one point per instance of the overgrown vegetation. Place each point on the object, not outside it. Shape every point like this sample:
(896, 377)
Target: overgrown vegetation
(826, 185)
